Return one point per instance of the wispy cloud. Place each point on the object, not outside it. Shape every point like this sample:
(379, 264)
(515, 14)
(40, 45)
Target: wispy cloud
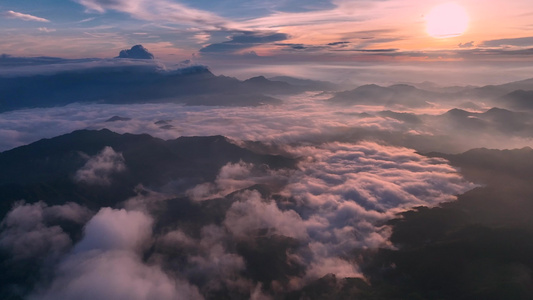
(98, 169)
(285, 19)
(86, 20)
(158, 10)
(291, 23)
(44, 29)
(25, 17)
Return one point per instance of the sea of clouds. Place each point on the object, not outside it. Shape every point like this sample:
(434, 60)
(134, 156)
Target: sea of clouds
(358, 168)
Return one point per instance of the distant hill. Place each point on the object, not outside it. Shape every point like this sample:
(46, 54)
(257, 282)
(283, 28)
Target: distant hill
(395, 95)
(519, 99)
(495, 92)
(308, 84)
(193, 85)
(490, 166)
(262, 85)
(513, 95)
(474, 248)
(526, 84)
(495, 119)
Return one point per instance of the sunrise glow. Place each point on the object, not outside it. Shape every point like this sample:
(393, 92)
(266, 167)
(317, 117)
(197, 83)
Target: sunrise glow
(447, 20)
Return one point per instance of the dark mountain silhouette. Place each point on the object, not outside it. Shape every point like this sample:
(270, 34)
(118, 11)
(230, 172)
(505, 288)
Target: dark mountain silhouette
(513, 95)
(478, 247)
(486, 165)
(17, 61)
(308, 84)
(463, 120)
(474, 248)
(260, 84)
(395, 95)
(508, 121)
(405, 117)
(433, 87)
(365, 94)
(526, 84)
(495, 119)
(194, 85)
(117, 118)
(458, 113)
(494, 92)
(488, 92)
(510, 95)
(519, 99)
(44, 170)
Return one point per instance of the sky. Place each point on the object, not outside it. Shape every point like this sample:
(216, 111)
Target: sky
(238, 36)
(182, 219)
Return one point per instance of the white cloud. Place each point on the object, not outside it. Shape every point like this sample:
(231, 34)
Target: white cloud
(107, 264)
(45, 29)
(114, 275)
(99, 168)
(25, 17)
(208, 258)
(339, 198)
(112, 229)
(26, 233)
(253, 213)
(215, 262)
(231, 177)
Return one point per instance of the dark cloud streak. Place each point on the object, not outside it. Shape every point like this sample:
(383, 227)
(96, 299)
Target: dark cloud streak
(520, 42)
(244, 40)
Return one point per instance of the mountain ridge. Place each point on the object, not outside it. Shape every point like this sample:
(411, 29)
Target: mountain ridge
(147, 160)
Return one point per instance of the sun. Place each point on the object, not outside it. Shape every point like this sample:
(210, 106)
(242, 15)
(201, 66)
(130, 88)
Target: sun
(446, 20)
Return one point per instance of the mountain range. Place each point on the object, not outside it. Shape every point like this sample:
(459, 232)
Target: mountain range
(123, 83)
(148, 161)
(193, 85)
(476, 247)
(513, 95)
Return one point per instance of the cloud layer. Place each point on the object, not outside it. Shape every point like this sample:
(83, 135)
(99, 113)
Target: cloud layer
(247, 231)
(305, 118)
(311, 219)
(339, 198)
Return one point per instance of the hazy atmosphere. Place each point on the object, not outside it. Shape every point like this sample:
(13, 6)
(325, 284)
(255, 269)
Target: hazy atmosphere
(290, 149)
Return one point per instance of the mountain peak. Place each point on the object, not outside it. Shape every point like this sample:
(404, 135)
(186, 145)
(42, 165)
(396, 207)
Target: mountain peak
(403, 87)
(458, 112)
(257, 79)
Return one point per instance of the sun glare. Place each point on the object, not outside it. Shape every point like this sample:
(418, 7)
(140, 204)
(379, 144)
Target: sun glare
(446, 20)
